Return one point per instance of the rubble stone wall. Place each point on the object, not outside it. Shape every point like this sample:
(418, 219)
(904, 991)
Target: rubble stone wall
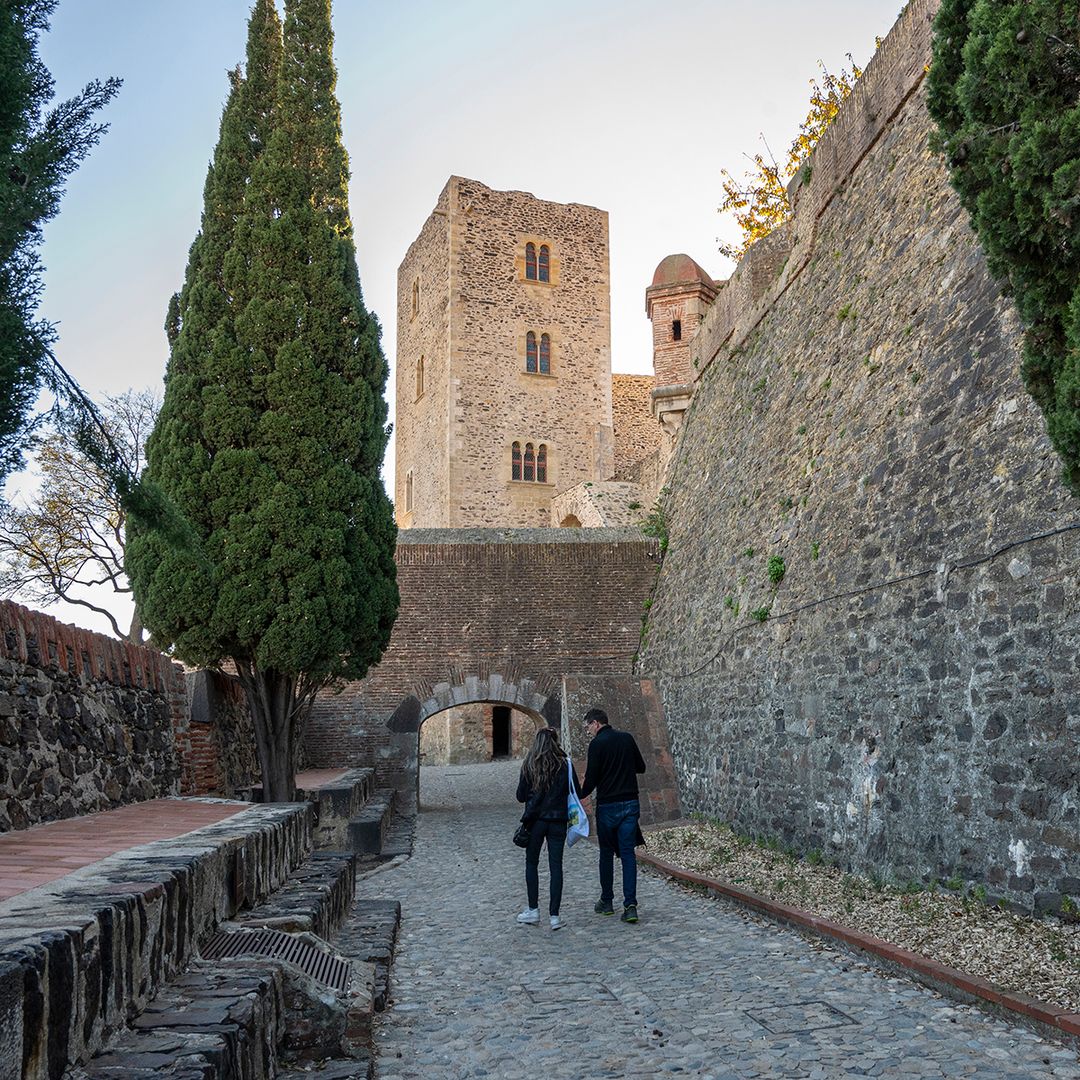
(87, 723)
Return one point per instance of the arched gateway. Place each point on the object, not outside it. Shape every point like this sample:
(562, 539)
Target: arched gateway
(544, 621)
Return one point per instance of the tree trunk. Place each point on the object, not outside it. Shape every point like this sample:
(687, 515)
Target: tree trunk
(135, 630)
(272, 701)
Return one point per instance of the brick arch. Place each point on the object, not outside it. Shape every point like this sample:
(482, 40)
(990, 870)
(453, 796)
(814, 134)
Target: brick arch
(493, 689)
(502, 616)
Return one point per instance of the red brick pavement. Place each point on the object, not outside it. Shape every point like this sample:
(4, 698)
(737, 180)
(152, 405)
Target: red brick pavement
(43, 853)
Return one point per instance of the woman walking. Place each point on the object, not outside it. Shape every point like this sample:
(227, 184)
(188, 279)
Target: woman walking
(544, 787)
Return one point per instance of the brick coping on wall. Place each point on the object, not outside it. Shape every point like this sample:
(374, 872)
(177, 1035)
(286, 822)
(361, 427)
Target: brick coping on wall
(948, 981)
(608, 534)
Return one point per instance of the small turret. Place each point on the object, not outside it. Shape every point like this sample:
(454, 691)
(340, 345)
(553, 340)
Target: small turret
(677, 300)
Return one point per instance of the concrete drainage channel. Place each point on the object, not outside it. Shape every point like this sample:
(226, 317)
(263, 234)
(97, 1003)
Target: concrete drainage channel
(243, 953)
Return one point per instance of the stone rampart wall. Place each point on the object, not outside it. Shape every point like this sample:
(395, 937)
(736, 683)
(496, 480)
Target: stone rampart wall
(87, 723)
(909, 704)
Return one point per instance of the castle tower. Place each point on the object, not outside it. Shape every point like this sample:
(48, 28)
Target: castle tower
(677, 300)
(503, 359)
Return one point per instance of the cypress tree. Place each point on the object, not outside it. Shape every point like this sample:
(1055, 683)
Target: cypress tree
(1004, 89)
(278, 439)
(175, 578)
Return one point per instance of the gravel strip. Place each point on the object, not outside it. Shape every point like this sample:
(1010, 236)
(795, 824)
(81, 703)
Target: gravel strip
(1038, 957)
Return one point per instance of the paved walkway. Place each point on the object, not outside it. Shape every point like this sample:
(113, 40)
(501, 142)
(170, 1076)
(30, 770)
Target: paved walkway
(695, 989)
(43, 853)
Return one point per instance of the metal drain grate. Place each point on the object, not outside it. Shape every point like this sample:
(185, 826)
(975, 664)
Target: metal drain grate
(330, 970)
(799, 1016)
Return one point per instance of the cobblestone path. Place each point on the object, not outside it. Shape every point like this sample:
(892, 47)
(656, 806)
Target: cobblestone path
(694, 989)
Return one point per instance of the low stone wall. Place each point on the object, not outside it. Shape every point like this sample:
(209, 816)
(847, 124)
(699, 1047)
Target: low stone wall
(87, 723)
(79, 957)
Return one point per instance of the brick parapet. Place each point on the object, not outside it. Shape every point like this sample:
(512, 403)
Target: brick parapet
(33, 638)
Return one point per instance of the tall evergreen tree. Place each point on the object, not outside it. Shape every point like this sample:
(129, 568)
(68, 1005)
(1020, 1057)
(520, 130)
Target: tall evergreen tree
(39, 149)
(1004, 89)
(274, 428)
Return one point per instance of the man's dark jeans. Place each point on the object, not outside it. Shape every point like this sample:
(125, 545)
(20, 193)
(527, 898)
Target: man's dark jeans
(616, 829)
(555, 834)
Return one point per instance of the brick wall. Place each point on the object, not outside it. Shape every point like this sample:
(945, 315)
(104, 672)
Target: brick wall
(488, 609)
(910, 704)
(87, 722)
(631, 705)
(219, 755)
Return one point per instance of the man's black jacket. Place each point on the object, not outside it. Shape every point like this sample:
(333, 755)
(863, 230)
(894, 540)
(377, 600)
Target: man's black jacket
(613, 764)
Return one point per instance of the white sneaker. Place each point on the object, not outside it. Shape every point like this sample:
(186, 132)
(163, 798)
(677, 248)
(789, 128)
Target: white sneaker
(529, 917)
(556, 922)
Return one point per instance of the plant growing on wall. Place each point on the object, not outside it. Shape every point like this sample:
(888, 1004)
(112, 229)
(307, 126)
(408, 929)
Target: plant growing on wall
(1004, 89)
(273, 425)
(760, 200)
(656, 523)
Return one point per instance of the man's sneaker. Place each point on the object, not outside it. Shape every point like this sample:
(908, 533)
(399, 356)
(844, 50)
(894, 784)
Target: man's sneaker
(556, 922)
(629, 913)
(604, 907)
(529, 917)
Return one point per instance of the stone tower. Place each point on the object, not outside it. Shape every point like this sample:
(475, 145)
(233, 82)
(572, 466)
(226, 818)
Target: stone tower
(503, 359)
(677, 300)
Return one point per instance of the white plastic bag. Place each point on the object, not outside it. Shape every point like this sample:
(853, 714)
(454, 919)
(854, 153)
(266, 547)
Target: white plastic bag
(577, 821)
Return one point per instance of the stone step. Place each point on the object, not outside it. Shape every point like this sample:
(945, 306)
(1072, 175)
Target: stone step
(337, 803)
(248, 1017)
(317, 897)
(82, 955)
(210, 1023)
(367, 829)
(370, 934)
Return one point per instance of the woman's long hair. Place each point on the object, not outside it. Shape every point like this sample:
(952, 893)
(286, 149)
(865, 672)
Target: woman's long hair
(545, 759)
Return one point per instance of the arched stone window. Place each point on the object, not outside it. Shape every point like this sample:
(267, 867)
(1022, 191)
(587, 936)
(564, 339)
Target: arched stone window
(545, 354)
(408, 492)
(419, 378)
(676, 329)
(545, 263)
(529, 465)
(530, 352)
(416, 297)
(570, 522)
(530, 262)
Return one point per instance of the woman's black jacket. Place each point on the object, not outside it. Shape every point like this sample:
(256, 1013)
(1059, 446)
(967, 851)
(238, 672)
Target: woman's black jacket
(547, 805)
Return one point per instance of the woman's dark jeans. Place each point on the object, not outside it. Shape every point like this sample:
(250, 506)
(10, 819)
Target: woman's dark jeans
(616, 829)
(555, 834)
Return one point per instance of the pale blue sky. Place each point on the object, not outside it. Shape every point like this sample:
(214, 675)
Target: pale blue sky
(628, 105)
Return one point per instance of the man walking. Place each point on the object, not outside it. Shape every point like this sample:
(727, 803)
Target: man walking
(612, 769)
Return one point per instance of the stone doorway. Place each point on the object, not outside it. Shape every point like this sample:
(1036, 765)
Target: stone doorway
(476, 733)
(501, 733)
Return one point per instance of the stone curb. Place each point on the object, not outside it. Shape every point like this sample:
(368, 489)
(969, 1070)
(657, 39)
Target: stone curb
(948, 981)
